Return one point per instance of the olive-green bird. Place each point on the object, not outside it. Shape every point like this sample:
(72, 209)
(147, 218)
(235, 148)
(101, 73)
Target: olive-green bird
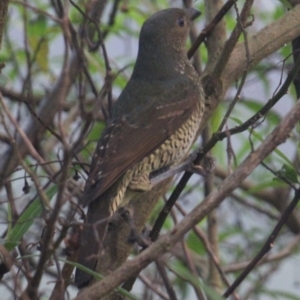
(153, 125)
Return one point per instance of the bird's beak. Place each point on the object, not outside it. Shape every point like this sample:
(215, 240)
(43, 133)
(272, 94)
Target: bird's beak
(193, 13)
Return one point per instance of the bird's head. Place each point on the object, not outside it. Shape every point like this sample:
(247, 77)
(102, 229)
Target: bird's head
(168, 28)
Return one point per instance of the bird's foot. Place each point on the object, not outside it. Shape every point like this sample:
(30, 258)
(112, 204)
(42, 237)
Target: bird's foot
(141, 239)
(205, 168)
(134, 236)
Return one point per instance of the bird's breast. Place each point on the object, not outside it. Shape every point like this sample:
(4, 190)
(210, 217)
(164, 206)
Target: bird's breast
(175, 148)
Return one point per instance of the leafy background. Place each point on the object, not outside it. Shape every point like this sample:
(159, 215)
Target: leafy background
(33, 50)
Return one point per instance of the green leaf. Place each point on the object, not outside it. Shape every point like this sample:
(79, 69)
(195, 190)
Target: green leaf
(38, 41)
(277, 151)
(25, 221)
(187, 275)
(42, 55)
(99, 277)
(283, 156)
(238, 121)
(278, 294)
(275, 183)
(38, 26)
(286, 4)
(195, 244)
(96, 131)
(261, 139)
(289, 172)
(216, 118)
(41, 47)
(255, 106)
(3, 80)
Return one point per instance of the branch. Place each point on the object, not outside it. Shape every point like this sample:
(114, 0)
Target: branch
(212, 142)
(48, 107)
(231, 42)
(265, 42)
(210, 27)
(284, 253)
(130, 268)
(267, 246)
(3, 12)
(276, 198)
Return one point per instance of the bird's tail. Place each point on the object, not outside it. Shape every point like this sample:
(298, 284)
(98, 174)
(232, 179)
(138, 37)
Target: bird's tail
(91, 238)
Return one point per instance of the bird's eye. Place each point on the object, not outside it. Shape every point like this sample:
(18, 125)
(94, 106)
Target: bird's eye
(181, 22)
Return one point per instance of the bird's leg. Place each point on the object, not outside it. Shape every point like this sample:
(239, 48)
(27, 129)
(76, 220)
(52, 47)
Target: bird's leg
(206, 167)
(171, 172)
(141, 183)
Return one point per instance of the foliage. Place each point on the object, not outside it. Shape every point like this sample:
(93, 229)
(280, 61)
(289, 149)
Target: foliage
(51, 73)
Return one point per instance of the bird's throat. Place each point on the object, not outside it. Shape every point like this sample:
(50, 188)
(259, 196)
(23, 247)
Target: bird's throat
(159, 65)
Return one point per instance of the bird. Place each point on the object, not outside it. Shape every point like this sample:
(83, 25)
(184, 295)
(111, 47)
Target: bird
(152, 127)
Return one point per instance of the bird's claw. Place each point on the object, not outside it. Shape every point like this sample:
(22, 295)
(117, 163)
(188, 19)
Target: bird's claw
(206, 167)
(135, 236)
(141, 240)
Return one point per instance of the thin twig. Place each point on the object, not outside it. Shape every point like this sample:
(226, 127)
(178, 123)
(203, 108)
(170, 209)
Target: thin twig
(203, 238)
(285, 252)
(257, 208)
(192, 268)
(94, 47)
(151, 286)
(162, 271)
(231, 42)
(47, 250)
(23, 135)
(209, 28)
(267, 246)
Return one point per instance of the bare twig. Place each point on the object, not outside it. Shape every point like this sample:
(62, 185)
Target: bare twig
(201, 235)
(208, 29)
(230, 44)
(192, 267)
(267, 246)
(47, 250)
(257, 208)
(161, 269)
(3, 12)
(285, 252)
(112, 16)
(37, 10)
(151, 286)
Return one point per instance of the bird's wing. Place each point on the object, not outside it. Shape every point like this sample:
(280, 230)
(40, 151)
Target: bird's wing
(136, 130)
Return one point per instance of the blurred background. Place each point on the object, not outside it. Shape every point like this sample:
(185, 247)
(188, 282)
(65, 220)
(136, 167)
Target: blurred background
(37, 45)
